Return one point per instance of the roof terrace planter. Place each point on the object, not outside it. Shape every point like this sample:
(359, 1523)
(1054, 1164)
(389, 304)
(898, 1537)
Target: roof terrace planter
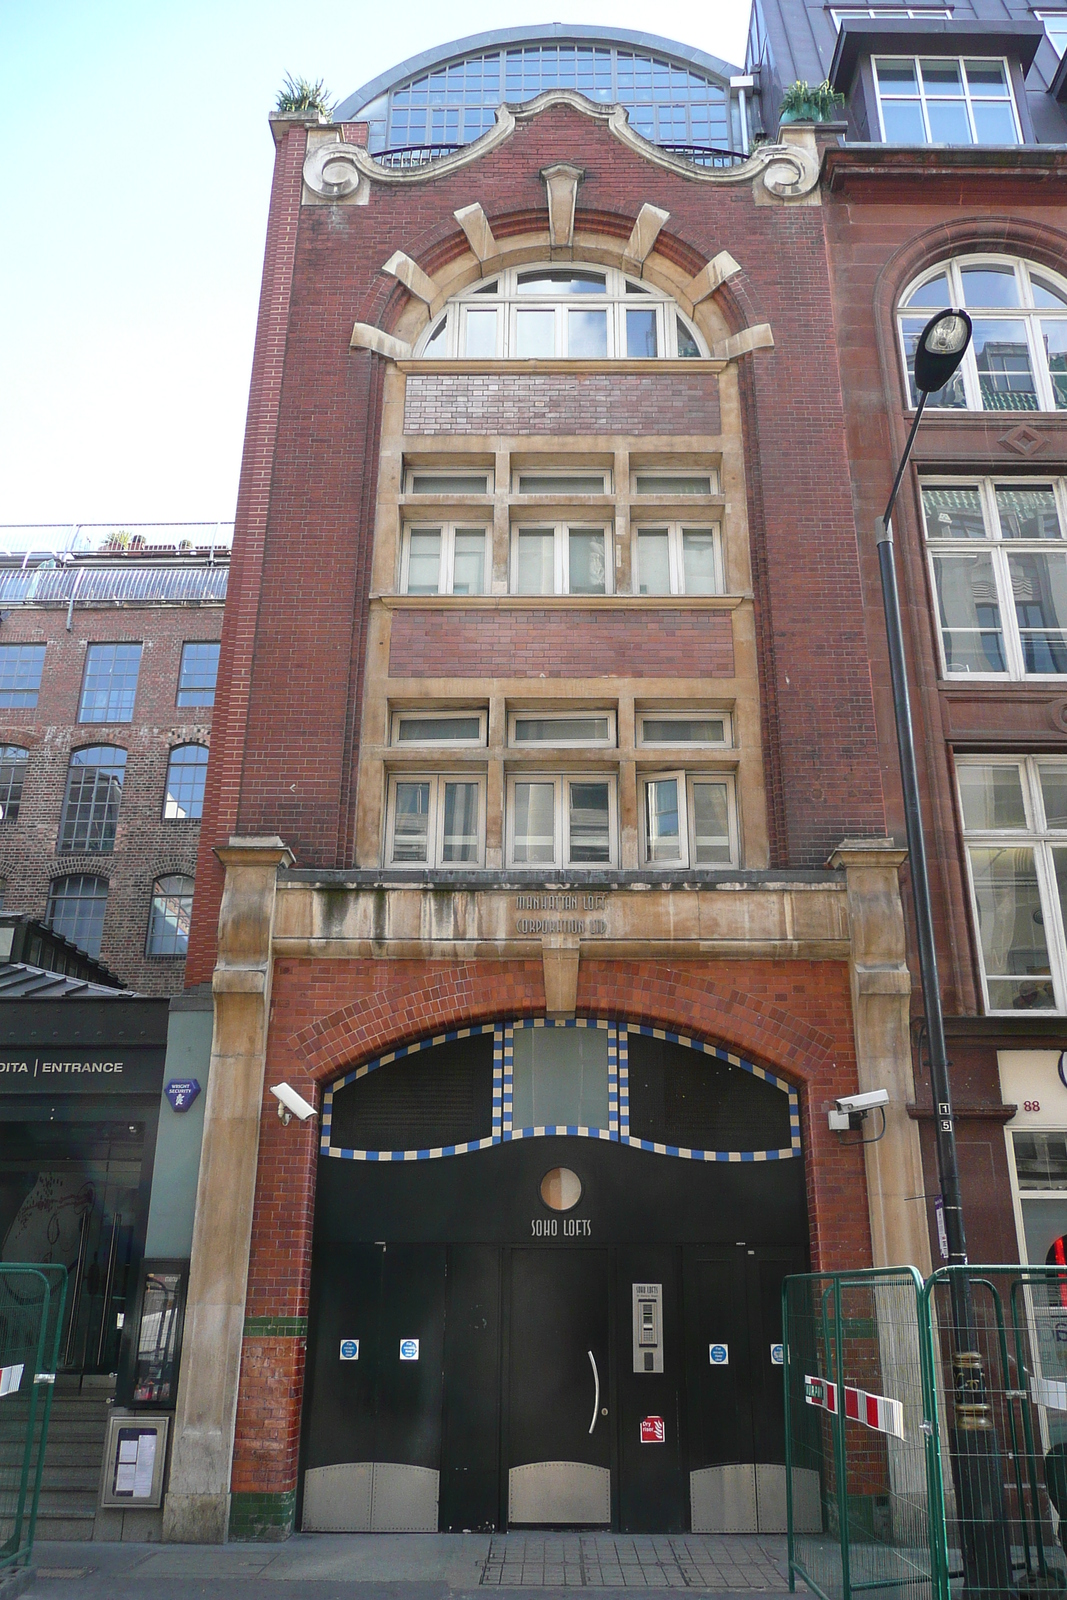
(803, 102)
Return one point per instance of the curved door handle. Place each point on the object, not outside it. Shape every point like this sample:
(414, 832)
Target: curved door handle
(596, 1395)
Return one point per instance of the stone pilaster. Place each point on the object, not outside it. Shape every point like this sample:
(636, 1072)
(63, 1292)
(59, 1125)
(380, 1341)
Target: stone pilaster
(881, 1010)
(197, 1505)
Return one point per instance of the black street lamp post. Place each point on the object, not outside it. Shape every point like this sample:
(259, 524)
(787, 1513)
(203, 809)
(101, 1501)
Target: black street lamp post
(975, 1453)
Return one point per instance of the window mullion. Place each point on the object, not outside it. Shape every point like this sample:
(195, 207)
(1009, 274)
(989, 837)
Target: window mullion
(1009, 622)
(435, 822)
(560, 830)
(1051, 911)
(448, 548)
(1042, 378)
(562, 559)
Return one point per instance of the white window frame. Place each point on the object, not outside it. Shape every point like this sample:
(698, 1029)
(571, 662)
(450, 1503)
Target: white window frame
(690, 714)
(436, 826)
(1059, 21)
(446, 571)
(687, 818)
(1026, 312)
(562, 716)
(561, 554)
(887, 13)
(452, 714)
(676, 531)
(562, 474)
(1041, 839)
(413, 472)
(999, 549)
(507, 299)
(663, 473)
(966, 99)
(561, 782)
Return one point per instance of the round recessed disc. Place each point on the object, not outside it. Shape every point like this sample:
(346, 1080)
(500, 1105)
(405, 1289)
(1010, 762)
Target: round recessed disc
(561, 1189)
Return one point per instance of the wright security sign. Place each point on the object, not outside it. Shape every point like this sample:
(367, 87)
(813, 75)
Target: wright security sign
(873, 1410)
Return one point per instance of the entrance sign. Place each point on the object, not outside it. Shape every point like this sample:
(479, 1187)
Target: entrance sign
(719, 1355)
(349, 1350)
(409, 1349)
(653, 1431)
(69, 1070)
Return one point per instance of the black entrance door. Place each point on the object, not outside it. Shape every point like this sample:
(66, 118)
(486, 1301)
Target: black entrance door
(560, 1422)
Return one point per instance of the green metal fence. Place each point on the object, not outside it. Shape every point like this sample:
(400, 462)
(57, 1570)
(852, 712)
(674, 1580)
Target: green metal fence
(31, 1318)
(926, 1431)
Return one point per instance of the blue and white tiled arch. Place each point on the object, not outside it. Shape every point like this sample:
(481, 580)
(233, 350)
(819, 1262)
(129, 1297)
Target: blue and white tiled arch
(618, 1125)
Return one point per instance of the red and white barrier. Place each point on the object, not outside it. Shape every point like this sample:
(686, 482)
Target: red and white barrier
(873, 1410)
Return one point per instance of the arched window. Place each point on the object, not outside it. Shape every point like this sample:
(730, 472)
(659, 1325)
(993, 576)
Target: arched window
(1018, 355)
(580, 313)
(172, 908)
(186, 773)
(76, 907)
(93, 797)
(13, 759)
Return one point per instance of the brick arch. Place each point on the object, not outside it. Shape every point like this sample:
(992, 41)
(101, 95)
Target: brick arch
(721, 1003)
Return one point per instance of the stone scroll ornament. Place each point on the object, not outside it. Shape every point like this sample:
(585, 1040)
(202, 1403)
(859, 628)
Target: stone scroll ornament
(343, 172)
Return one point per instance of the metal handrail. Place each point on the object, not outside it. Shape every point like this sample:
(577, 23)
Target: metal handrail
(706, 155)
(414, 155)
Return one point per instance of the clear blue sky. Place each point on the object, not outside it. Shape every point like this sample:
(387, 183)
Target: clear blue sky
(135, 181)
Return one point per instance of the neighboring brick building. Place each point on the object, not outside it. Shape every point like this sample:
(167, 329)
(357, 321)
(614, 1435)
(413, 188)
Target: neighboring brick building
(113, 649)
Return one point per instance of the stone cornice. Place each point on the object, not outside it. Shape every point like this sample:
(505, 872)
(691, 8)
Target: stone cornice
(893, 162)
(454, 604)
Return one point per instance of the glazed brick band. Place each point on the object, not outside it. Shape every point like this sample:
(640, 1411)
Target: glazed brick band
(459, 642)
(559, 402)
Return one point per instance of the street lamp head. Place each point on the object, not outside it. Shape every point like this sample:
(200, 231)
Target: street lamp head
(941, 347)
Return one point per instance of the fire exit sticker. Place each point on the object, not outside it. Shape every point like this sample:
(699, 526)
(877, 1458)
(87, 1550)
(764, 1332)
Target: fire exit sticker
(349, 1349)
(653, 1431)
(409, 1349)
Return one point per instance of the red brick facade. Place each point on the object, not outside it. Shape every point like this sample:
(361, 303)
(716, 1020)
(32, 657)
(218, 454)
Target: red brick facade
(147, 845)
(557, 403)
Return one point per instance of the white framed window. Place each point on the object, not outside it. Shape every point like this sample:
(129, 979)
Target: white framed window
(561, 559)
(561, 728)
(567, 820)
(952, 100)
(998, 557)
(1014, 813)
(558, 311)
(549, 480)
(887, 12)
(677, 559)
(676, 482)
(435, 820)
(688, 820)
(1017, 360)
(453, 727)
(448, 480)
(445, 559)
(1055, 28)
(685, 728)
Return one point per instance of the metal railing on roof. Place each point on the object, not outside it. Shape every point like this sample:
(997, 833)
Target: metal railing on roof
(32, 540)
(706, 155)
(414, 155)
(158, 584)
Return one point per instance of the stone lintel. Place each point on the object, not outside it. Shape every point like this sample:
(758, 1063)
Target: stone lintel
(650, 219)
(758, 337)
(868, 853)
(475, 224)
(560, 959)
(411, 276)
(364, 337)
(711, 277)
(562, 183)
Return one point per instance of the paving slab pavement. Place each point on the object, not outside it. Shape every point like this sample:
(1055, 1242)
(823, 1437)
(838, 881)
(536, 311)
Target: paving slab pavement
(413, 1567)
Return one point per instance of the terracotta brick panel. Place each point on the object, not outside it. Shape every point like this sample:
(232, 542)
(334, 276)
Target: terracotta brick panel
(458, 642)
(557, 402)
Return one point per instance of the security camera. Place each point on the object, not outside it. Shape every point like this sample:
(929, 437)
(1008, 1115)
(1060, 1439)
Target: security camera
(863, 1102)
(852, 1111)
(291, 1104)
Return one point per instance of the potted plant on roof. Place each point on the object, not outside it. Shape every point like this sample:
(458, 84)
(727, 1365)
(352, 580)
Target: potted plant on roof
(803, 102)
(299, 97)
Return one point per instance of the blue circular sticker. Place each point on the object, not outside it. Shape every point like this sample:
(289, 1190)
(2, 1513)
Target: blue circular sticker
(349, 1349)
(718, 1354)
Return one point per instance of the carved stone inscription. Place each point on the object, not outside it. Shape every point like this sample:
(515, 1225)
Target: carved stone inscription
(565, 914)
